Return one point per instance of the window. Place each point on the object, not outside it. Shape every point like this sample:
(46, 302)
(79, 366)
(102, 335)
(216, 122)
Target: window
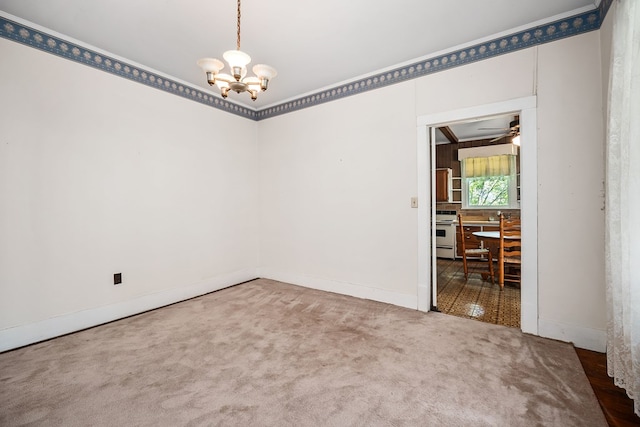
(489, 182)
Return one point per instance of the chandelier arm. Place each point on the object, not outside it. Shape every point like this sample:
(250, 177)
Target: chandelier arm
(238, 40)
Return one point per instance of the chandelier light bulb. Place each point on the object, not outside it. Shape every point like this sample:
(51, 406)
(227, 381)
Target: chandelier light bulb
(264, 73)
(211, 67)
(236, 58)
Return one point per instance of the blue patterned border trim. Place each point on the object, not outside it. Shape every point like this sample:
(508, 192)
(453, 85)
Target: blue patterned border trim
(571, 26)
(604, 9)
(577, 24)
(39, 40)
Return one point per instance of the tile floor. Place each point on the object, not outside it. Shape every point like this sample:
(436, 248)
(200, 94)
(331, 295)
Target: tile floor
(476, 298)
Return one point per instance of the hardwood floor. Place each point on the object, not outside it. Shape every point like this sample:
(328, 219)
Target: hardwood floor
(616, 405)
(476, 298)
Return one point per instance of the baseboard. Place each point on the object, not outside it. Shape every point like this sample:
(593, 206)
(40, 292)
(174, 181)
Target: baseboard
(581, 337)
(528, 317)
(31, 333)
(344, 288)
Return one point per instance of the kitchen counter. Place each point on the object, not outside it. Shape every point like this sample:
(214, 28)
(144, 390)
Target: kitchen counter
(480, 223)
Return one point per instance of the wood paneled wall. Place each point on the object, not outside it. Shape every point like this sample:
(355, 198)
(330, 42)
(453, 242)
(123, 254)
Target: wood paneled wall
(447, 154)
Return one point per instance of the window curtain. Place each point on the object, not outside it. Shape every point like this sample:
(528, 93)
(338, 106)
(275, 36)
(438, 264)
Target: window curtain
(475, 167)
(622, 227)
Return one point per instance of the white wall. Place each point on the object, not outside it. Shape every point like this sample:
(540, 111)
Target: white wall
(100, 175)
(571, 191)
(336, 181)
(493, 80)
(335, 187)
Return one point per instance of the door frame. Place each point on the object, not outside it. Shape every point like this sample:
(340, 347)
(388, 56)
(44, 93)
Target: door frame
(427, 274)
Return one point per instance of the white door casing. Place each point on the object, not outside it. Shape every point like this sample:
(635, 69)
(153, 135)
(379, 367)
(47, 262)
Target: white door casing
(526, 108)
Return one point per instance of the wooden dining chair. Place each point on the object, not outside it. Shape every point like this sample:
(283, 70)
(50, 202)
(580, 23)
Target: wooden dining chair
(509, 255)
(473, 255)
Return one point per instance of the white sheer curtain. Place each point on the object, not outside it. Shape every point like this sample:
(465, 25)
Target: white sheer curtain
(622, 242)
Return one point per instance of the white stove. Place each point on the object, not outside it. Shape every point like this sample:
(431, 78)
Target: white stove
(446, 222)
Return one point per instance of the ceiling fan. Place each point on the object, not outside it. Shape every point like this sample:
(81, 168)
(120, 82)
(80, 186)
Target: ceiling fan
(512, 131)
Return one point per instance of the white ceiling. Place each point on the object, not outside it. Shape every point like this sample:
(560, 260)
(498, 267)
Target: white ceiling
(312, 44)
(478, 129)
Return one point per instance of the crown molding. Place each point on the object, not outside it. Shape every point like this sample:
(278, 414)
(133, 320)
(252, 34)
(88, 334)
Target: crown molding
(92, 57)
(583, 22)
(59, 45)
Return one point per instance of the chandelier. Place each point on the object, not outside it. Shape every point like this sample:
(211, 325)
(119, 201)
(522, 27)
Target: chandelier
(238, 80)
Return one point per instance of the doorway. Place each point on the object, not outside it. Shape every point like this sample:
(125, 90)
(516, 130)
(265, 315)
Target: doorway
(466, 285)
(428, 271)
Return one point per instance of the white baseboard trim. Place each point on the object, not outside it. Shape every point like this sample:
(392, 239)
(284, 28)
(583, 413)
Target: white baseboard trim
(529, 317)
(31, 333)
(344, 288)
(424, 298)
(581, 337)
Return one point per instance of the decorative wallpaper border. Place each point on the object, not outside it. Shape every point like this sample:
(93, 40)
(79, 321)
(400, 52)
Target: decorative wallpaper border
(26, 35)
(577, 24)
(604, 8)
(571, 26)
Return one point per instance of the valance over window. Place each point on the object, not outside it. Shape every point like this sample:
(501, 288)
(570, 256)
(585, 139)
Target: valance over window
(475, 167)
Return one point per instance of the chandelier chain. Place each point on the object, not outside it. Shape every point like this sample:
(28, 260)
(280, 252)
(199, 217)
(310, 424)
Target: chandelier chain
(238, 41)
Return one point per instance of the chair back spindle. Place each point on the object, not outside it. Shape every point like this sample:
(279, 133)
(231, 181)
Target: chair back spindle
(510, 252)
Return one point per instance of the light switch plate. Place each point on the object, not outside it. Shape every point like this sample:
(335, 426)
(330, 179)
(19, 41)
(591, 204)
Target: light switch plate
(414, 202)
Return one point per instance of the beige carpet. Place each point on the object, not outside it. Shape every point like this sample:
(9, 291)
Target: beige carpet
(266, 353)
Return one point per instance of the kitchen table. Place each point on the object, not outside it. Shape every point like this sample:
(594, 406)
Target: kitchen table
(492, 238)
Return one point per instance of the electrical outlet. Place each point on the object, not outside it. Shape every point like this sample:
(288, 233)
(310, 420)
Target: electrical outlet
(117, 278)
(414, 202)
